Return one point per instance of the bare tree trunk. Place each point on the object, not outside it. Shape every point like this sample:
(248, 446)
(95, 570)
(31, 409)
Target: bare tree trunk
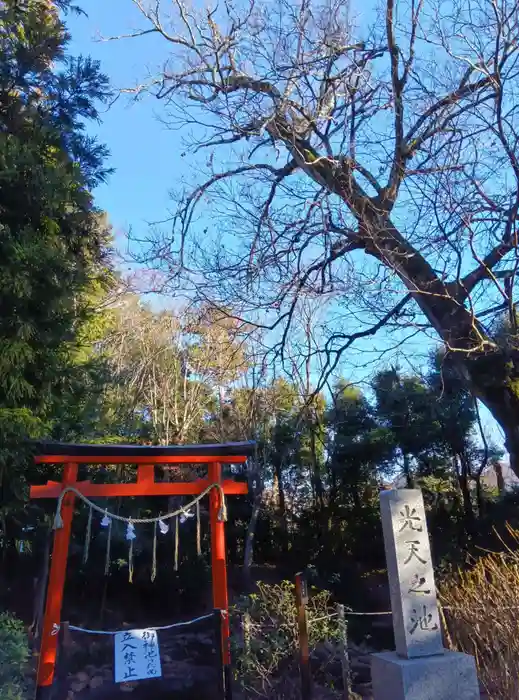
(463, 480)
(221, 401)
(500, 479)
(492, 382)
(418, 115)
(407, 472)
(281, 502)
(318, 482)
(249, 540)
(479, 495)
(332, 473)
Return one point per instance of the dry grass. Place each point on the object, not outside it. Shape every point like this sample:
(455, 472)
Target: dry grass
(482, 615)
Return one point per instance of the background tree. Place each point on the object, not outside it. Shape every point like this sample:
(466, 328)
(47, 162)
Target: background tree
(396, 139)
(54, 243)
(404, 408)
(167, 367)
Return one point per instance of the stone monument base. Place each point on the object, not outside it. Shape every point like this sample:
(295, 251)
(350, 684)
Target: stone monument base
(448, 676)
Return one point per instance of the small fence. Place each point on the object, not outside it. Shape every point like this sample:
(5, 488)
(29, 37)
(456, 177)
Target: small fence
(296, 660)
(292, 645)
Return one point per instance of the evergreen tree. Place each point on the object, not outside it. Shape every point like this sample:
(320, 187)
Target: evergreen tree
(53, 241)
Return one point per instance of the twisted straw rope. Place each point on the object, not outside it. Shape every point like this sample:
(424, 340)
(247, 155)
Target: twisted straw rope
(222, 513)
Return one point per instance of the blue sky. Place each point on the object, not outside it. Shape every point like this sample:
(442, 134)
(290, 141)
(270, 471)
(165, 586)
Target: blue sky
(143, 153)
(146, 155)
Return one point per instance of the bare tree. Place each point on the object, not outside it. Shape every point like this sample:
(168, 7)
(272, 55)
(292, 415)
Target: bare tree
(165, 365)
(373, 165)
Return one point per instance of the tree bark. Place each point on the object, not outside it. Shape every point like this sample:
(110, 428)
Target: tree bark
(501, 488)
(502, 401)
(479, 494)
(318, 482)
(463, 481)
(491, 374)
(282, 512)
(407, 471)
(255, 481)
(248, 557)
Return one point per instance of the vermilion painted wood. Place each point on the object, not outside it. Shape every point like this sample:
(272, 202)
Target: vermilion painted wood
(140, 488)
(146, 474)
(58, 569)
(145, 459)
(220, 598)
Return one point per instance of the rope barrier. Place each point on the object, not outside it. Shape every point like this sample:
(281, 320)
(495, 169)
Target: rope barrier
(157, 629)
(222, 513)
(346, 613)
(351, 612)
(371, 614)
(206, 617)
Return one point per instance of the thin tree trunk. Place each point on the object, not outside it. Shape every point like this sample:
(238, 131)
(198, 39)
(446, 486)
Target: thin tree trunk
(318, 482)
(332, 473)
(501, 488)
(479, 495)
(221, 401)
(407, 472)
(463, 480)
(249, 542)
(282, 512)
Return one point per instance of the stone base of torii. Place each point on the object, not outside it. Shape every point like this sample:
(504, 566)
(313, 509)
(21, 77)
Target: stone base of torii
(420, 668)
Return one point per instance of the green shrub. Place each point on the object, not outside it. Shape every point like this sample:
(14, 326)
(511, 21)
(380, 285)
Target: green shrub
(13, 657)
(266, 643)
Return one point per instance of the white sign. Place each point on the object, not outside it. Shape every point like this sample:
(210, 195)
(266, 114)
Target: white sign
(137, 655)
(416, 620)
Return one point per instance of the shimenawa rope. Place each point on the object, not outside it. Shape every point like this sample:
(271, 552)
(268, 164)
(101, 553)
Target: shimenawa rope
(222, 513)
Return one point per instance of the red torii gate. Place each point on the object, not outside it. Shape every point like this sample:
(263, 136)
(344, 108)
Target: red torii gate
(145, 457)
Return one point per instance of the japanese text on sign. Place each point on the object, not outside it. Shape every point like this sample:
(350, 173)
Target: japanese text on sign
(416, 619)
(418, 584)
(137, 655)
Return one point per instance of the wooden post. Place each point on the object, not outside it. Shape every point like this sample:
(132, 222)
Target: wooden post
(58, 569)
(304, 650)
(345, 659)
(219, 566)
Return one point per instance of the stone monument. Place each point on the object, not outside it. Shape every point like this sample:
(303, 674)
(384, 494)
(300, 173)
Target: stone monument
(420, 668)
